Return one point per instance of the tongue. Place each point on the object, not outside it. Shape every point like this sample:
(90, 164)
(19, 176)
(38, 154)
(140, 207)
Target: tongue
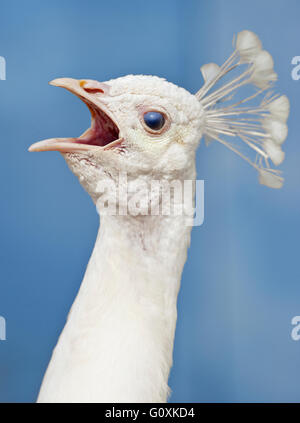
(102, 132)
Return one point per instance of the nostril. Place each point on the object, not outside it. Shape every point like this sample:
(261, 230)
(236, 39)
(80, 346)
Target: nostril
(92, 87)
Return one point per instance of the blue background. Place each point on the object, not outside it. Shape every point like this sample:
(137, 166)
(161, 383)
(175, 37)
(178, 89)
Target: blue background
(240, 286)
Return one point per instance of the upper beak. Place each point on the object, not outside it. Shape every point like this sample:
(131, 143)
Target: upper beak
(103, 132)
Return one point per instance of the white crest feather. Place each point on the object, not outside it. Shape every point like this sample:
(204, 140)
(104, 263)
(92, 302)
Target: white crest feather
(209, 71)
(280, 108)
(262, 127)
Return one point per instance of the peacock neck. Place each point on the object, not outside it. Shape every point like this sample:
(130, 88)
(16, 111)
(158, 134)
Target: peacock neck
(118, 341)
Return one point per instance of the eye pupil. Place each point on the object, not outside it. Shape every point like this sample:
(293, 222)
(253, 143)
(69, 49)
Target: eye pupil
(154, 120)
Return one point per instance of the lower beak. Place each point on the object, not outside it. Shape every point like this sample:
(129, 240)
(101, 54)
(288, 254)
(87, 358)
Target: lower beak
(63, 145)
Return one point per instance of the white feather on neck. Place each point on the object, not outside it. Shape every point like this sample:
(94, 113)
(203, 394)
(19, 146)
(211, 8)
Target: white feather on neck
(118, 341)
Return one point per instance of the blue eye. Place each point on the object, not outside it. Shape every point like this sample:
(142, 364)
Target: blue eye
(154, 120)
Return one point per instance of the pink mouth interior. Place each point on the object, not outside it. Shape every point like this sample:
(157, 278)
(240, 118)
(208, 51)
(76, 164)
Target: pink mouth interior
(102, 132)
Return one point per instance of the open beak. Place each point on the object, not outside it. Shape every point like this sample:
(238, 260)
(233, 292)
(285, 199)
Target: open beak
(103, 132)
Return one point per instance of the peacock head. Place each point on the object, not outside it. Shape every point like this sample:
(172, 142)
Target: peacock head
(148, 127)
(141, 125)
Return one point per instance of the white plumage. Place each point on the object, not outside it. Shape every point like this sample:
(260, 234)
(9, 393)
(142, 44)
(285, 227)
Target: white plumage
(118, 340)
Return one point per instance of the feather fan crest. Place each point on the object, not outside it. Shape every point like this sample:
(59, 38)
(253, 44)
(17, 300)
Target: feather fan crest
(261, 127)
